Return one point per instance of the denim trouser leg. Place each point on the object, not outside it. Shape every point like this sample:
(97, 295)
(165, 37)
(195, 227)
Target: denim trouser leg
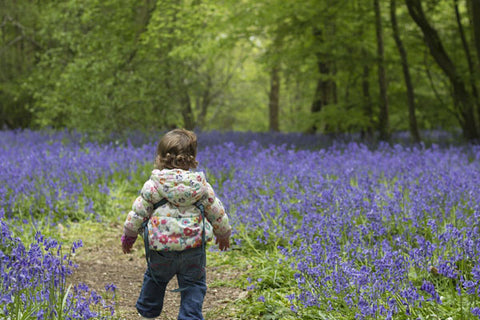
(192, 301)
(188, 265)
(150, 301)
(192, 281)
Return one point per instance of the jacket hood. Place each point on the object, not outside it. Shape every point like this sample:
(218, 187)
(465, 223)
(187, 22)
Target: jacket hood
(180, 187)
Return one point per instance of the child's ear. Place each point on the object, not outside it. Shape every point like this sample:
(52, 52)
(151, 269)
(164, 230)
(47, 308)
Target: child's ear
(157, 161)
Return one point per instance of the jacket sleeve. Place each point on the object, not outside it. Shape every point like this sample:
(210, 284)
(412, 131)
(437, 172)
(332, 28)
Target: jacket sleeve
(216, 215)
(141, 209)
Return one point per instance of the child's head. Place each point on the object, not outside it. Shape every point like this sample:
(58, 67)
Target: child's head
(177, 150)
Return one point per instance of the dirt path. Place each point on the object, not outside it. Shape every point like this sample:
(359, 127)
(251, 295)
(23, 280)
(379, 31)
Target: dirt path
(104, 263)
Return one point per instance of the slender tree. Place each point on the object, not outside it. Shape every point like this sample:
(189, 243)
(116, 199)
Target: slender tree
(274, 99)
(383, 123)
(326, 88)
(461, 96)
(466, 49)
(204, 102)
(18, 51)
(367, 100)
(474, 8)
(412, 119)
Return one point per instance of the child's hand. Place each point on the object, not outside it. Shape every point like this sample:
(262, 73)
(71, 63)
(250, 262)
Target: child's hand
(223, 243)
(127, 243)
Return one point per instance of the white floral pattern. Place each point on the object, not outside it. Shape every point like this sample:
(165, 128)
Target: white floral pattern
(177, 225)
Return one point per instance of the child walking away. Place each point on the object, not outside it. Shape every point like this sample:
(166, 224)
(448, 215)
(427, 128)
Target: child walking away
(177, 211)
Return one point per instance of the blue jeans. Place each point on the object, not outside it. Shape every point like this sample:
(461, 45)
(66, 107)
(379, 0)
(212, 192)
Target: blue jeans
(189, 266)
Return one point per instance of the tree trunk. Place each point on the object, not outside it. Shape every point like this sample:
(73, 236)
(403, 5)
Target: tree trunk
(204, 103)
(326, 89)
(187, 112)
(475, 16)
(274, 99)
(471, 68)
(317, 104)
(318, 98)
(383, 126)
(412, 119)
(460, 94)
(367, 101)
(474, 7)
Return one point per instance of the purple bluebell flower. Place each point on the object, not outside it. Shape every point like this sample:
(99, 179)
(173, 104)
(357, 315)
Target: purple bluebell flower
(429, 288)
(358, 224)
(475, 311)
(37, 274)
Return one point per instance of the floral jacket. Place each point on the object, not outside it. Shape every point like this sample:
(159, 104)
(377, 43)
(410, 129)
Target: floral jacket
(177, 225)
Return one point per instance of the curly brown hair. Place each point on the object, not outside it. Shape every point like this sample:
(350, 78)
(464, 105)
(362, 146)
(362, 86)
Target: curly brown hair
(177, 150)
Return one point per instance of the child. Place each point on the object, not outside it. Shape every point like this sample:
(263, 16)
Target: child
(175, 228)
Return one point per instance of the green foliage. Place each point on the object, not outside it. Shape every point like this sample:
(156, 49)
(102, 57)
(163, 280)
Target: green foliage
(84, 76)
(339, 118)
(114, 65)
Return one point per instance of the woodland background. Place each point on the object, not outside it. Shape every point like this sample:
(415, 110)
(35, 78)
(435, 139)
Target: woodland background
(373, 67)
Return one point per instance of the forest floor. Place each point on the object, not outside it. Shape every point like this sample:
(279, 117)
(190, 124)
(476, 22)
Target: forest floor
(101, 262)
